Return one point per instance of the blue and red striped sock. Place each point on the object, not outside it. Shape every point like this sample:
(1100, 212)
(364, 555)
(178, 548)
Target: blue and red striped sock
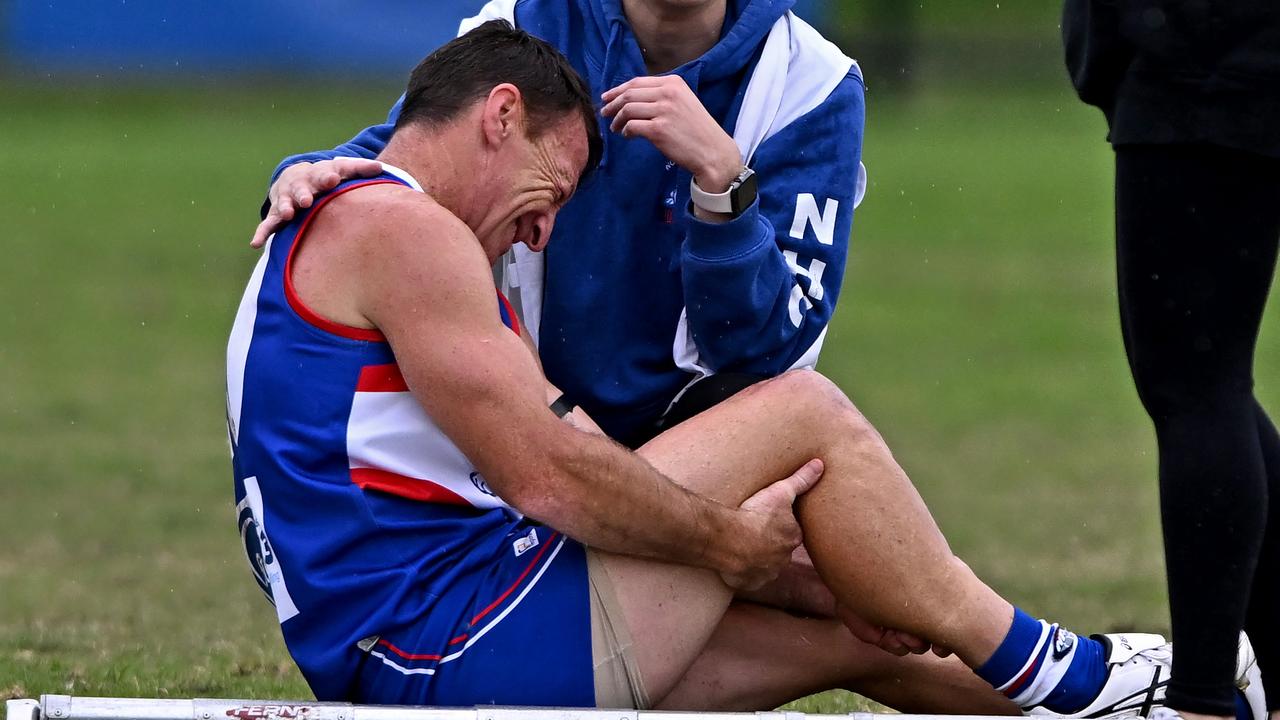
(1038, 664)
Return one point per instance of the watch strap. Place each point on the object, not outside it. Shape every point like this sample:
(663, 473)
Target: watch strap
(739, 196)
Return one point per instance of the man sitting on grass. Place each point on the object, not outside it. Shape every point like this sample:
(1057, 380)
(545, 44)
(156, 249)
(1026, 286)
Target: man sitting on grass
(432, 531)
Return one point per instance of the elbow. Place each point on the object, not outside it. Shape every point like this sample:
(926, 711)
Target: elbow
(542, 508)
(530, 491)
(550, 502)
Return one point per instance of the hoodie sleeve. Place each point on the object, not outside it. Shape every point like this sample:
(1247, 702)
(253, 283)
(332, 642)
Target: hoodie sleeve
(366, 144)
(760, 289)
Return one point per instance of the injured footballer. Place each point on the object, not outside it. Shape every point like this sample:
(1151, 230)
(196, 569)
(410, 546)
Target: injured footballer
(436, 525)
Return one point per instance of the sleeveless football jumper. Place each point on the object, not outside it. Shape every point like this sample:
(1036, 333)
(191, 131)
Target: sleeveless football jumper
(397, 575)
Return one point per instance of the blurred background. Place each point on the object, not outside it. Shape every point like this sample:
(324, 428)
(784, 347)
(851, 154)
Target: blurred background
(977, 326)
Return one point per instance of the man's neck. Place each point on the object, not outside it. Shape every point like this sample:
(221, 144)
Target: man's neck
(434, 169)
(671, 36)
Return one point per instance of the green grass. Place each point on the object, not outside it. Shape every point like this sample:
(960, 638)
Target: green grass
(935, 18)
(977, 329)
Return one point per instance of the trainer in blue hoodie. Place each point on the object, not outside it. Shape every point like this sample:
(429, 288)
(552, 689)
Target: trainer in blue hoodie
(645, 292)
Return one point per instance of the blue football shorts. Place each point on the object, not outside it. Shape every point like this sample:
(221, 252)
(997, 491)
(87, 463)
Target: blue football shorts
(541, 628)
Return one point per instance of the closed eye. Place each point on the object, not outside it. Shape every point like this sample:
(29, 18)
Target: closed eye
(562, 196)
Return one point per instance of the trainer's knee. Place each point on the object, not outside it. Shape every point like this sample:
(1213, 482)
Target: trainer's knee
(1168, 396)
(1173, 385)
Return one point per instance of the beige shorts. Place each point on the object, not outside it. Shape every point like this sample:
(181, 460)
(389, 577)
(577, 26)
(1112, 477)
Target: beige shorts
(617, 676)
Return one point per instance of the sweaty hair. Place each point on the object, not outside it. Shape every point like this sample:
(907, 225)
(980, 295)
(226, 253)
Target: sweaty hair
(465, 69)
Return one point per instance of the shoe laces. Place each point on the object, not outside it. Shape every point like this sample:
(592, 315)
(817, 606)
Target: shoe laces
(1162, 655)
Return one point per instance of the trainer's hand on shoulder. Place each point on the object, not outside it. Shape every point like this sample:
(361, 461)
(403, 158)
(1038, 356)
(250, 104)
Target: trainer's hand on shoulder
(665, 111)
(773, 533)
(298, 186)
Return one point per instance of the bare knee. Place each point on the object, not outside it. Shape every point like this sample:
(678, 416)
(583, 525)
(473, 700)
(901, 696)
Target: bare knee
(812, 391)
(808, 383)
(820, 408)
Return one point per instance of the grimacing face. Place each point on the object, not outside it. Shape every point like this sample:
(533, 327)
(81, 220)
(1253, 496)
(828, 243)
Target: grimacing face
(539, 175)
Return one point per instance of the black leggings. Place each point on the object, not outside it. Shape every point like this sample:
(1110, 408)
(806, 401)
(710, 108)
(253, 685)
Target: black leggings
(1196, 229)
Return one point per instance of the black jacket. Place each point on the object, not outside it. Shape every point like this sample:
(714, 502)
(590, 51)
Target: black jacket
(1178, 71)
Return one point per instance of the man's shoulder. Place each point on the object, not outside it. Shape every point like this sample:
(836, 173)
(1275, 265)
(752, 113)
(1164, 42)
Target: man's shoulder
(390, 209)
(390, 232)
(396, 248)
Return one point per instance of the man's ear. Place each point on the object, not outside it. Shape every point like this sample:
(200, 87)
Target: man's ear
(503, 114)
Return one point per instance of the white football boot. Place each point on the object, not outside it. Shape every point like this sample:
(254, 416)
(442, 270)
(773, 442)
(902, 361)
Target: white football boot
(1248, 682)
(1138, 670)
(1249, 679)
(1138, 667)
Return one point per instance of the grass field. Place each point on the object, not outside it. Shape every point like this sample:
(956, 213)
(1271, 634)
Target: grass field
(976, 329)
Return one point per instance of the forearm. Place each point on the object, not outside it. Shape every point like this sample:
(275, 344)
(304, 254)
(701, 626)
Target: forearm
(605, 502)
(567, 474)
(366, 144)
(609, 498)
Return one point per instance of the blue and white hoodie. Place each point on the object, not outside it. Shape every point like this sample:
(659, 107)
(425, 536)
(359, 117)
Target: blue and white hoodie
(635, 298)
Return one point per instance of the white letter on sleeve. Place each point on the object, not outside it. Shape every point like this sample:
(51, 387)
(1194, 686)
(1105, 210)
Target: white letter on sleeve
(814, 274)
(824, 223)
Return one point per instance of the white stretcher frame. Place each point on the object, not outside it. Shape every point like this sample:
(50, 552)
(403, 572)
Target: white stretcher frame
(66, 707)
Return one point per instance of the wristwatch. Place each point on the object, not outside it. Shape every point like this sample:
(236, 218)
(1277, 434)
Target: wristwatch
(739, 196)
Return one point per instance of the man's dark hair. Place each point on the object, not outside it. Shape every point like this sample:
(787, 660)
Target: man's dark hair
(465, 69)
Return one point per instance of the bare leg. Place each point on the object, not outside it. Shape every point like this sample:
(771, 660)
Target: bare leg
(870, 535)
(760, 658)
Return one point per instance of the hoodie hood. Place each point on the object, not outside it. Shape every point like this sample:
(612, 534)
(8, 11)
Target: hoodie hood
(616, 54)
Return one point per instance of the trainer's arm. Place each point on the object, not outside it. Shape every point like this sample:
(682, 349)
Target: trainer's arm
(366, 144)
(299, 178)
(283, 200)
(431, 293)
(761, 288)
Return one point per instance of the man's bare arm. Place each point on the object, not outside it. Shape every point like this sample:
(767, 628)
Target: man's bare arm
(427, 287)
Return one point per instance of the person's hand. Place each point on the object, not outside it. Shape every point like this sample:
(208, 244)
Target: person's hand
(772, 532)
(797, 589)
(895, 642)
(665, 111)
(298, 186)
